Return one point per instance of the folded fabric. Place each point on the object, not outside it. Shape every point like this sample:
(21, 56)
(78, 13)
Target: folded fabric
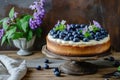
(16, 69)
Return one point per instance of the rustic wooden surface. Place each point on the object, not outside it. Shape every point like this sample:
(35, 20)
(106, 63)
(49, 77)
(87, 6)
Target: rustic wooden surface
(47, 74)
(107, 12)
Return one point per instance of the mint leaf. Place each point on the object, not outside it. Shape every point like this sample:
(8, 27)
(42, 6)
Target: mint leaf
(87, 34)
(11, 14)
(95, 29)
(80, 31)
(60, 27)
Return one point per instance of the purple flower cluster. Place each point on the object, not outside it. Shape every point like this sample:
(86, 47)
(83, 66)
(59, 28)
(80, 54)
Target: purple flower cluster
(96, 24)
(1, 33)
(85, 29)
(38, 14)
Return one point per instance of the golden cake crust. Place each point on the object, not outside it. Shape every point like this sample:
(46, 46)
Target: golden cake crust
(84, 50)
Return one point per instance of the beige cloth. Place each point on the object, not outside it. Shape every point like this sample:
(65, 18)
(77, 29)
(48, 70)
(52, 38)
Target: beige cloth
(11, 69)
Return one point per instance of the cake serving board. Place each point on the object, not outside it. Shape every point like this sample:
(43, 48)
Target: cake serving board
(75, 65)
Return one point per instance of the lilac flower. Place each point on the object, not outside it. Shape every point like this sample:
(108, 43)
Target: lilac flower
(63, 22)
(57, 23)
(32, 7)
(32, 24)
(90, 28)
(1, 33)
(85, 29)
(38, 22)
(38, 15)
(68, 27)
(96, 24)
(13, 18)
(15, 15)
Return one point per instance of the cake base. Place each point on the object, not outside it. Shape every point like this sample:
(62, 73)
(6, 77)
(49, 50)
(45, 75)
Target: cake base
(70, 58)
(78, 68)
(83, 50)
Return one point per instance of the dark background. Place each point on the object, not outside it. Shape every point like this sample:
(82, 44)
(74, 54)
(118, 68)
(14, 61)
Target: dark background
(106, 12)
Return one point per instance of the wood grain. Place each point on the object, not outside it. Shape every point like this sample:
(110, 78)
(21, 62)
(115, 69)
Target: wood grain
(47, 74)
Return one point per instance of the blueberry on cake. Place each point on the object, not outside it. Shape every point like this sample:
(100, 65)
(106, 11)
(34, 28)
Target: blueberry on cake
(78, 39)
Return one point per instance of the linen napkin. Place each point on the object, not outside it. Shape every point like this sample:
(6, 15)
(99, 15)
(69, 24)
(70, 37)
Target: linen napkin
(11, 69)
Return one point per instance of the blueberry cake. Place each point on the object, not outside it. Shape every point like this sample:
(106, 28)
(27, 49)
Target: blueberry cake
(78, 39)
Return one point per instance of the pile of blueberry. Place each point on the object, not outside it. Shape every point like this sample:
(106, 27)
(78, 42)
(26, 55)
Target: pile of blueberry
(115, 74)
(75, 33)
(46, 66)
(116, 63)
(56, 71)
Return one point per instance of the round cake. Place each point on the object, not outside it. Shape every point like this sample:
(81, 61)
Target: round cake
(78, 39)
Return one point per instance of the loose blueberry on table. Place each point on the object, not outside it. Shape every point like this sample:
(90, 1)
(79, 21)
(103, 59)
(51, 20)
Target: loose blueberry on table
(57, 73)
(38, 67)
(117, 74)
(46, 66)
(110, 58)
(55, 69)
(116, 64)
(46, 61)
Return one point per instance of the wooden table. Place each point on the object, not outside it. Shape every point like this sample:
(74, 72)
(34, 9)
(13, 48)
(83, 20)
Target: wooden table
(47, 74)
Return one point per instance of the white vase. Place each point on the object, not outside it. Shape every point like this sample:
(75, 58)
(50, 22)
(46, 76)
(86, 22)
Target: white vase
(24, 45)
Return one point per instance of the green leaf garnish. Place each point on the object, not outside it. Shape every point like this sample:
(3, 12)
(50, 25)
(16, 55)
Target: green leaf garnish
(87, 34)
(95, 29)
(80, 31)
(60, 27)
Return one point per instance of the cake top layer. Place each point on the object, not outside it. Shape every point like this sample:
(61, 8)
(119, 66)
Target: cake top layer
(78, 32)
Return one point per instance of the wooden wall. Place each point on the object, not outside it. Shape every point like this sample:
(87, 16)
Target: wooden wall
(107, 12)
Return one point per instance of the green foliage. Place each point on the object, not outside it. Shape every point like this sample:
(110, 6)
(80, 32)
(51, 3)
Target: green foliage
(17, 28)
(38, 32)
(23, 23)
(11, 13)
(4, 24)
(4, 39)
(30, 35)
